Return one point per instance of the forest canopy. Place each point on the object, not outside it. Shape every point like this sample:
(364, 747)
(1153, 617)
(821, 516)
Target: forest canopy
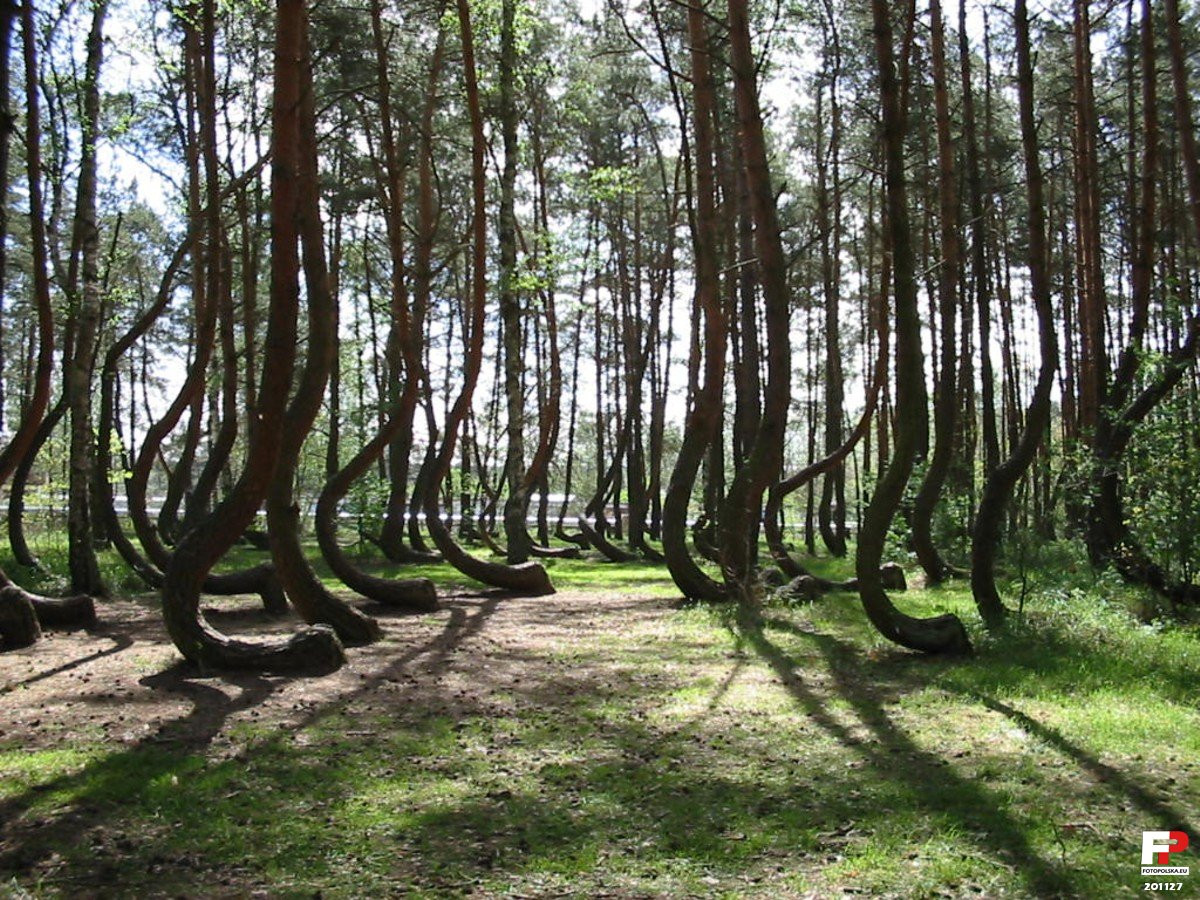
(718, 287)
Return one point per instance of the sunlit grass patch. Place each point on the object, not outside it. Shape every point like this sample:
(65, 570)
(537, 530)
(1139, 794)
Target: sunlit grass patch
(618, 745)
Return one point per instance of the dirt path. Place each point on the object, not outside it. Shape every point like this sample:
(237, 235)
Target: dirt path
(124, 689)
(125, 683)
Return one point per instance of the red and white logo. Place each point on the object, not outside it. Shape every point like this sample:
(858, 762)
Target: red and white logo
(1157, 847)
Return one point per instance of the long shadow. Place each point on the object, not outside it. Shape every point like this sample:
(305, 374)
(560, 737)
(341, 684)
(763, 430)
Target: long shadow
(120, 642)
(459, 628)
(102, 787)
(1115, 779)
(977, 809)
(913, 677)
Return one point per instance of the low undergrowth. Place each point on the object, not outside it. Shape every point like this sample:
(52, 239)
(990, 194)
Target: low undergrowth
(609, 742)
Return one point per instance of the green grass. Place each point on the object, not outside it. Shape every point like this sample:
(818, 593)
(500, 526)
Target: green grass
(694, 752)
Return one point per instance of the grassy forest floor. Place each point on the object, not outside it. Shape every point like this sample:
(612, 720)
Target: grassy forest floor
(605, 742)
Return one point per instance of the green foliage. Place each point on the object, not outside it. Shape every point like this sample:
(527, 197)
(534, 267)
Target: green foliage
(607, 183)
(1162, 503)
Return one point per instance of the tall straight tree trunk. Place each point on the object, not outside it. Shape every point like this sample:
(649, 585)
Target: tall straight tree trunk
(940, 634)
(1093, 364)
(8, 13)
(516, 534)
(979, 268)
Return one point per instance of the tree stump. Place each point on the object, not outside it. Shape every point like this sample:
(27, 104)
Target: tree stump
(892, 576)
(18, 622)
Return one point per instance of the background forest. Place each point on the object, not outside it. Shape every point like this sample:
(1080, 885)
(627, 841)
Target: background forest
(361, 309)
(583, 295)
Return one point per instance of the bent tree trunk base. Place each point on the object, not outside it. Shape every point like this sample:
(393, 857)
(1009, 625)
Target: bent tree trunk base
(526, 579)
(316, 604)
(78, 611)
(555, 552)
(812, 587)
(610, 551)
(316, 650)
(404, 593)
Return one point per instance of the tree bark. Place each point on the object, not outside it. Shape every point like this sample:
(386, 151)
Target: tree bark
(528, 578)
(704, 416)
(742, 510)
(945, 397)
(940, 634)
(997, 491)
(315, 603)
(81, 550)
(200, 548)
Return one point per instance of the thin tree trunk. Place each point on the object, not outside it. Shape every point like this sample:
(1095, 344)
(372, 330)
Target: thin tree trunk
(704, 415)
(742, 510)
(81, 550)
(527, 578)
(945, 398)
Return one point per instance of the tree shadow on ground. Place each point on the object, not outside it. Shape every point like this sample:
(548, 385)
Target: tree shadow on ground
(121, 642)
(1035, 654)
(554, 766)
(934, 785)
(102, 787)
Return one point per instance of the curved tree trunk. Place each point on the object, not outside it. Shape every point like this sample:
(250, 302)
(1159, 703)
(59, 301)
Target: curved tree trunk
(200, 548)
(979, 267)
(704, 417)
(412, 593)
(742, 509)
(315, 603)
(1109, 536)
(997, 490)
(152, 567)
(16, 495)
(550, 412)
(528, 578)
(108, 381)
(831, 513)
(941, 634)
(21, 613)
(779, 492)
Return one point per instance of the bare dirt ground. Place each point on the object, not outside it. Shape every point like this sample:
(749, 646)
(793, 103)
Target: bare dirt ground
(126, 683)
(124, 687)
